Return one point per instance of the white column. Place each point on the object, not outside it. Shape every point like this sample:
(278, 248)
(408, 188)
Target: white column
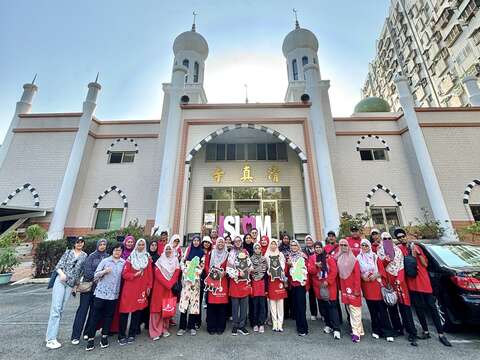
(182, 230)
(308, 200)
(24, 106)
(472, 89)
(434, 193)
(64, 199)
(166, 189)
(318, 91)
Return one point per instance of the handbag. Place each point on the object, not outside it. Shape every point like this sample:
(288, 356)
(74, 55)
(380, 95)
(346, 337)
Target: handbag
(389, 295)
(410, 264)
(53, 276)
(324, 293)
(169, 307)
(85, 286)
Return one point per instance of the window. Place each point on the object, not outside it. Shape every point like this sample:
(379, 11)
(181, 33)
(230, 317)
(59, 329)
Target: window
(196, 70)
(469, 10)
(373, 154)
(117, 157)
(211, 152)
(231, 152)
(453, 35)
(295, 69)
(261, 152)
(475, 212)
(385, 218)
(109, 219)
(304, 60)
(220, 151)
(252, 152)
(186, 63)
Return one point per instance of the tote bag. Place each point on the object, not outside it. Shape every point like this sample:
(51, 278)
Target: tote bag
(169, 307)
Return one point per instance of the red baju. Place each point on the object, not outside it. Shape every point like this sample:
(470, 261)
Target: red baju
(420, 283)
(219, 297)
(372, 289)
(351, 288)
(162, 289)
(134, 291)
(276, 290)
(330, 279)
(331, 250)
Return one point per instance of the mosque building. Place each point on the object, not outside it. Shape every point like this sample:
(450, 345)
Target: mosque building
(288, 166)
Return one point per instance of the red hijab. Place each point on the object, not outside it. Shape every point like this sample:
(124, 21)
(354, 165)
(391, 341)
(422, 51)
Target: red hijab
(264, 248)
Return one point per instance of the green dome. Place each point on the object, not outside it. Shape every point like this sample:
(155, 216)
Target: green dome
(372, 104)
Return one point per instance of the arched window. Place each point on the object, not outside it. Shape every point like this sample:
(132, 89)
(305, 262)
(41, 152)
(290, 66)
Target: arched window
(196, 70)
(304, 60)
(295, 69)
(186, 63)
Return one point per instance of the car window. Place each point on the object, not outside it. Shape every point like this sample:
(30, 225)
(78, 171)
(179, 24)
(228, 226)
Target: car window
(457, 255)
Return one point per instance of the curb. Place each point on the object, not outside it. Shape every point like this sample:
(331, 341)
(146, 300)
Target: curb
(31, 281)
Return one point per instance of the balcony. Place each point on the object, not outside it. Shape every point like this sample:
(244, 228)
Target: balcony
(444, 18)
(453, 35)
(441, 66)
(446, 84)
(469, 12)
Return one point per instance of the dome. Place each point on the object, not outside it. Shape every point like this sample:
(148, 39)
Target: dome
(299, 38)
(372, 104)
(191, 41)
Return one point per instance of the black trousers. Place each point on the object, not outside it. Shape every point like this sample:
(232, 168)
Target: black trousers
(330, 313)
(134, 324)
(379, 317)
(259, 316)
(216, 317)
(423, 303)
(188, 322)
(312, 300)
(300, 304)
(407, 319)
(339, 310)
(103, 310)
(85, 307)
(288, 305)
(250, 312)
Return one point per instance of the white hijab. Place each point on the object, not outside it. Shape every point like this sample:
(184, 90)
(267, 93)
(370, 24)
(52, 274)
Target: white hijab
(168, 264)
(218, 257)
(367, 260)
(277, 252)
(139, 259)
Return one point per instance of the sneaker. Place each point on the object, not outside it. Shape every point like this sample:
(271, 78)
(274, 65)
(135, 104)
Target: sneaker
(280, 330)
(205, 306)
(355, 338)
(193, 332)
(156, 338)
(375, 336)
(130, 339)
(234, 332)
(255, 328)
(336, 335)
(327, 330)
(76, 341)
(90, 345)
(122, 341)
(85, 337)
(313, 318)
(180, 332)
(104, 342)
(390, 339)
(302, 334)
(166, 334)
(172, 323)
(243, 331)
(53, 344)
(443, 339)
(261, 329)
(413, 340)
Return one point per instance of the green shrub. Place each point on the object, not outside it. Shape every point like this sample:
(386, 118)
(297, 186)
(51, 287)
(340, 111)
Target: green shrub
(347, 221)
(8, 255)
(425, 227)
(47, 255)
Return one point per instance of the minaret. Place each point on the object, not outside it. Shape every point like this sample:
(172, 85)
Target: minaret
(24, 106)
(302, 44)
(64, 198)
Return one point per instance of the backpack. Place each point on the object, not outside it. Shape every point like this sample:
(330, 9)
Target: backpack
(410, 264)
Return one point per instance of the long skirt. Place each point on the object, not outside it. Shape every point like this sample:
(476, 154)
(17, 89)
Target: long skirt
(158, 325)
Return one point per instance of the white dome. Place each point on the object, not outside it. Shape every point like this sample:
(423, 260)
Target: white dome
(299, 38)
(192, 41)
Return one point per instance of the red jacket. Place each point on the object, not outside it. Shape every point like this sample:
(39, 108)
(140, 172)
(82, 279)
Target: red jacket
(372, 289)
(331, 249)
(351, 288)
(220, 297)
(330, 280)
(421, 282)
(276, 290)
(134, 290)
(162, 289)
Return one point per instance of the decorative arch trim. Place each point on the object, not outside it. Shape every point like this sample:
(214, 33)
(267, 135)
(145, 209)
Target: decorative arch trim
(384, 188)
(384, 143)
(468, 190)
(110, 189)
(225, 129)
(130, 140)
(27, 186)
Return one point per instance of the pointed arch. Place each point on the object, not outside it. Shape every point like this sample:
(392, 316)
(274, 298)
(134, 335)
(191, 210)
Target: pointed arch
(196, 71)
(295, 69)
(213, 135)
(129, 140)
(27, 186)
(107, 191)
(468, 190)
(384, 188)
(384, 143)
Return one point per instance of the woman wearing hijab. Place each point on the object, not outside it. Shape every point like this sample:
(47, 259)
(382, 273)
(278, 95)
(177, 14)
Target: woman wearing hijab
(238, 269)
(207, 245)
(373, 277)
(276, 284)
(167, 270)
(189, 305)
(323, 274)
(264, 241)
(137, 283)
(309, 250)
(86, 297)
(392, 258)
(259, 270)
(217, 284)
(153, 251)
(350, 287)
(248, 242)
(298, 281)
(175, 244)
(128, 246)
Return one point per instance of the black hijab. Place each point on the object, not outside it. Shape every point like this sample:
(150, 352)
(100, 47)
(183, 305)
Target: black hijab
(248, 247)
(153, 254)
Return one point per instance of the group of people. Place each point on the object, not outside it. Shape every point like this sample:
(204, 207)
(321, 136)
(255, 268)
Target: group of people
(251, 280)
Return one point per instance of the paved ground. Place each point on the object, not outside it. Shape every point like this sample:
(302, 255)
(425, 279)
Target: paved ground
(24, 314)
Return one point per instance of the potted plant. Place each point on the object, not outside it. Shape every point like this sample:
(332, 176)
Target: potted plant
(8, 256)
(35, 233)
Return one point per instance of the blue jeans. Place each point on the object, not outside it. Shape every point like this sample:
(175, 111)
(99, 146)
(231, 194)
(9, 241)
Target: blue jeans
(60, 294)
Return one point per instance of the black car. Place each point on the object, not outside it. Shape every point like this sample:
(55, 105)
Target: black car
(454, 269)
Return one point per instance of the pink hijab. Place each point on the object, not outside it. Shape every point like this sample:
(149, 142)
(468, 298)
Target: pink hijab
(345, 260)
(126, 252)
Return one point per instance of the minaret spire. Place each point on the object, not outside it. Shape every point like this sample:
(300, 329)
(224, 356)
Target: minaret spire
(194, 18)
(34, 78)
(96, 79)
(297, 25)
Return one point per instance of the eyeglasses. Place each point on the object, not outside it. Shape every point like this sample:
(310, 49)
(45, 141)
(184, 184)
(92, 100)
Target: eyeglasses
(387, 238)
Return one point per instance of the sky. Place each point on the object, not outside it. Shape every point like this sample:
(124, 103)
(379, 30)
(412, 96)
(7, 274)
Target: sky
(129, 42)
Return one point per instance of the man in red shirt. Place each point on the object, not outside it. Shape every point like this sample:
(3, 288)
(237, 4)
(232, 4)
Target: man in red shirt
(331, 245)
(354, 240)
(420, 288)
